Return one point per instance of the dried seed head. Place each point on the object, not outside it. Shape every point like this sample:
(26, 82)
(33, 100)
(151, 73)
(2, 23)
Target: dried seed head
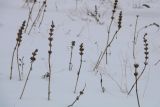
(81, 92)
(33, 58)
(146, 53)
(136, 74)
(50, 38)
(49, 52)
(136, 65)
(73, 43)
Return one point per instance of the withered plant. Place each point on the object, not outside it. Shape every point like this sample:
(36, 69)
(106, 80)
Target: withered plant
(77, 98)
(81, 49)
(18, 42)
(32, 61)
(146, 53)
(110, 38)
(49, 57)
(40, 13)
(30, 15)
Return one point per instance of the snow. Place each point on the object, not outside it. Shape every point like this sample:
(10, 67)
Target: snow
(73, 24)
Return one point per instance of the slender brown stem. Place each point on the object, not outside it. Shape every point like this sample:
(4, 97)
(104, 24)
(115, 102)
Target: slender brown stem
(19, 71)
(26, 80)
(49, 82)
(137, 78)
(109, 44)
(29, 16)
(70, 62)
(137, 89)
(78, 73)
(77, 98)
(134, 40)
(12, 60)
(37, 17)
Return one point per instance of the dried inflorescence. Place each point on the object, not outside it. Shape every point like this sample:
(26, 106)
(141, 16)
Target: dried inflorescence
(120, 20)
(49, 56)
(146, 57)
(81, 49)
(18, 43)
(145, 49)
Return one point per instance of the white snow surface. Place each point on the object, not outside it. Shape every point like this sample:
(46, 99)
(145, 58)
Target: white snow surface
(73, 24)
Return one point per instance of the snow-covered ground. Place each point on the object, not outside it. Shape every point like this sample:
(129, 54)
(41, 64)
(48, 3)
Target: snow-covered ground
(73, 24)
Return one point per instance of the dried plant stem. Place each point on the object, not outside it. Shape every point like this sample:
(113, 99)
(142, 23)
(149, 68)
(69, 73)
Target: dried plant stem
(105, 50)
(19, 71)
(134, 40)
(78, 73)
(26, 80)
(49, 82)
(137, 88)
(42, 16)
(108, 38)
(77, 98)
(138, 78)
(29, 16)
(12, 60)
(70, 61)
(49, 58)
(32, 60)
(37, 17)
(101, 81)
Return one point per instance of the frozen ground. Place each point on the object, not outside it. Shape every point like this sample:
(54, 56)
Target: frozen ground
(75, 25)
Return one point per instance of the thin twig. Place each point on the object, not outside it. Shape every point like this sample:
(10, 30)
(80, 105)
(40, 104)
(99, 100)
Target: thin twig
(134, 40)
(77, 98)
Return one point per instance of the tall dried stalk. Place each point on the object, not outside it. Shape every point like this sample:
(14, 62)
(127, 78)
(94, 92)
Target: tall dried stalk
(78, 73)
(145, 62)
(18, 41)
(49, 57)
(109, 42)
(38, 15)
(136, 75)
(30, 14)
(134, 40)
(32, 60)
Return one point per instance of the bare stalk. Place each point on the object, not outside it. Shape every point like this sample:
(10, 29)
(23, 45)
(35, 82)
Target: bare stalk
(134, 40)
(19, 71)
(77, 98)
(29, 16)
(38, 16)
(12, 61)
